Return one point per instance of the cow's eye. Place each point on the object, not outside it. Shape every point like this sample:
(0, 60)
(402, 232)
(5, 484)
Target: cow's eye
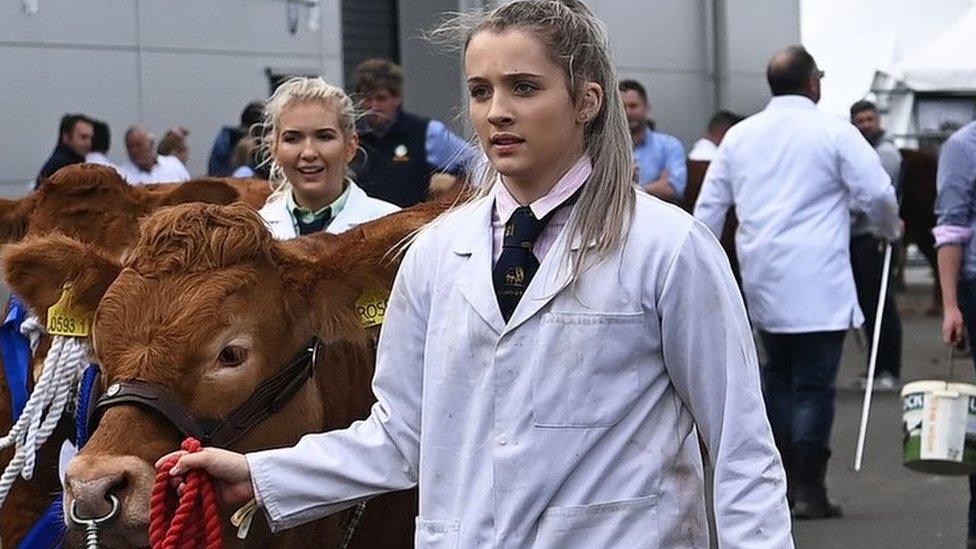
(231, 356)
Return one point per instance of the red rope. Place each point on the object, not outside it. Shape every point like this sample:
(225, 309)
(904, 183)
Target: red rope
(190, 520)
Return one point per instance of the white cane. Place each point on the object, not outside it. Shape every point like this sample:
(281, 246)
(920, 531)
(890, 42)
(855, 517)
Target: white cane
(872, 364)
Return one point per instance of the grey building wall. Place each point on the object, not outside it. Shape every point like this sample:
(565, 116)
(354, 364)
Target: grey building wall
(154, 62)
(196, 63)
(694, 56)
(750, 32)
(433, 85)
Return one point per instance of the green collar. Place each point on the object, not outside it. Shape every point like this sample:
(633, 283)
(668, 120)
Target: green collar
(308, 216)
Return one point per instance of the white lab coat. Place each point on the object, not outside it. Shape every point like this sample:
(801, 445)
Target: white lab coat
(359, 209)
(792, 173)
(571, 426)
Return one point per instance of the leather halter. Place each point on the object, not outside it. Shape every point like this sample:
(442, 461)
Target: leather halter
(267, 399)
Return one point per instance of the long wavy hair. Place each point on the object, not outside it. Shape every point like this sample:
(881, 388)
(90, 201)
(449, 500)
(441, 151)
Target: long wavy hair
(576, 41)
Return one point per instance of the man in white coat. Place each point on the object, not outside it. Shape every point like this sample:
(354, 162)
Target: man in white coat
(791, 171)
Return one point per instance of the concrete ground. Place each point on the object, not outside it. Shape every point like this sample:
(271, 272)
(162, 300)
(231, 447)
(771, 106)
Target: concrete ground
(886, 505)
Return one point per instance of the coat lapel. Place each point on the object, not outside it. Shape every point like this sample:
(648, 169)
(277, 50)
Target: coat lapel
(347, 216)
(277, 219)
(474, 277)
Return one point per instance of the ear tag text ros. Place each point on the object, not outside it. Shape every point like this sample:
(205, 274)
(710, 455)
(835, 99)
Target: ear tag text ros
(64, 320)
(371, 307)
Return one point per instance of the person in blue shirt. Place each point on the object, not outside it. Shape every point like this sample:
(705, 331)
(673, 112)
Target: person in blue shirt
(660, 158)
(403, 150)
(955, 204)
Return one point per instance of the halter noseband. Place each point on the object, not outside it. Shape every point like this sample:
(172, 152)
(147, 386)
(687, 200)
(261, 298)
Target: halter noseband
(267, 399)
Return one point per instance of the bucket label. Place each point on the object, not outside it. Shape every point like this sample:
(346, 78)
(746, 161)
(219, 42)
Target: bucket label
(912, 406)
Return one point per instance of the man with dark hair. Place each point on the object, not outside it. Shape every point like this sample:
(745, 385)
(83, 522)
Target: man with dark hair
(660, 158)
(867, 259)
(221, 160)
(792, 173)
(403, 150)
(74, 142)
(101, 142)
(706, 147)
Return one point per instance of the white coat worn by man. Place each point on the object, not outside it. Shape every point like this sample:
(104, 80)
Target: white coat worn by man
(791, 172)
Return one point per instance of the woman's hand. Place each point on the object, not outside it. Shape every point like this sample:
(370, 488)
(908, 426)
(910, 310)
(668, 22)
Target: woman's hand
(953, 327)
(229, 471)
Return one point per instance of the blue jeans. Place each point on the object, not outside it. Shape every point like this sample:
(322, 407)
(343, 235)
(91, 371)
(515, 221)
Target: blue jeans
(799, 383)
(967, 304)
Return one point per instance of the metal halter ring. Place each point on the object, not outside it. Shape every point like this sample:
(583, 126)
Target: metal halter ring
(91, 524)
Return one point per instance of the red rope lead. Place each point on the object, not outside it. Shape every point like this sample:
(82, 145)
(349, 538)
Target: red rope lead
(192, 520)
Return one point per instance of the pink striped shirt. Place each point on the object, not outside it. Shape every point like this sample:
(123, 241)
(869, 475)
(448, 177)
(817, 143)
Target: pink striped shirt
(505, 205)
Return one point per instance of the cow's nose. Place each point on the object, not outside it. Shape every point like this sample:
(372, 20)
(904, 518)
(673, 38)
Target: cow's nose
(89, 485)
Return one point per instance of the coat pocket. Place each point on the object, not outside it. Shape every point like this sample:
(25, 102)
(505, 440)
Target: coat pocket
(437, 534)
(630, 523)
(585, 368)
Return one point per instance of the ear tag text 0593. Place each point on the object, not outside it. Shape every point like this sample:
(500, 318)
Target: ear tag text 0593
(371, 307)
(64, 320)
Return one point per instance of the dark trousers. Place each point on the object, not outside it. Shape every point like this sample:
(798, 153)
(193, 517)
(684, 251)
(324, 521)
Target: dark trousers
(799, 384)
(867, 263)
(967, 304)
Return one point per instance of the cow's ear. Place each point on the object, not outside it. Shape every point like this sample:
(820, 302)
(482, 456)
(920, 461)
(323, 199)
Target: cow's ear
(332, 272)
(209, 190)
(14, 215)
(38, 268)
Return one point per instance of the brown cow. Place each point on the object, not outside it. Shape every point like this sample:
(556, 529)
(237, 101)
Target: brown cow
(94, 205)
(697, 169)
(207, 305)
(918, 189)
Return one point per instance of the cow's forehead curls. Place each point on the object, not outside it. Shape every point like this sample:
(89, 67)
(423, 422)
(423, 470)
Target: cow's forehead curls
(193, 238)
(83, 178)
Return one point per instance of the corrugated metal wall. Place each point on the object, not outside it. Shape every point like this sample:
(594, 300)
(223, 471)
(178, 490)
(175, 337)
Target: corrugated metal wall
(155, 62)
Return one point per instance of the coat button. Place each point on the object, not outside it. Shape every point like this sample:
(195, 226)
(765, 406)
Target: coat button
(502, 441)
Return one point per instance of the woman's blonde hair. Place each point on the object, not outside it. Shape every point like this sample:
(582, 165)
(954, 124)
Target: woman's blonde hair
(296, 90)
(576, 41)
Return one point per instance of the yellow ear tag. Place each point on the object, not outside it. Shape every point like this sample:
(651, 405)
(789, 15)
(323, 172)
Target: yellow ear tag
(371, 307)
(64, 320)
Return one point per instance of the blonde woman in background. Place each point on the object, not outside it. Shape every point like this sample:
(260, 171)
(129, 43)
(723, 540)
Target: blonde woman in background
(310, 140)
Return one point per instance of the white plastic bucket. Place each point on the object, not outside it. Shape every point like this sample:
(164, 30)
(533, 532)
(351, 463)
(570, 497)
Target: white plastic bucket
(939, 427)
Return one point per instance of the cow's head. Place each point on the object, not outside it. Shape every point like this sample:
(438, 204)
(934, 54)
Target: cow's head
(94, 204)
(206, 305)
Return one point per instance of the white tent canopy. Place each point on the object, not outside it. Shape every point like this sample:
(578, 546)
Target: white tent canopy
(932, 90)
(948, 64)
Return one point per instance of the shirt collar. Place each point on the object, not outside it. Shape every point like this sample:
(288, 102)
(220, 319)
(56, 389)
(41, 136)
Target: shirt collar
(505, 203)
(791, 102)
(308, 216)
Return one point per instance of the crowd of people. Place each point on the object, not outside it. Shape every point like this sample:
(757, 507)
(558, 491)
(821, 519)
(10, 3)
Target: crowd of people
(565, 140)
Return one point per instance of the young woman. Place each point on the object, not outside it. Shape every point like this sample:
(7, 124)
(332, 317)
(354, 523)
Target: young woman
(553, 349)
(311, 139)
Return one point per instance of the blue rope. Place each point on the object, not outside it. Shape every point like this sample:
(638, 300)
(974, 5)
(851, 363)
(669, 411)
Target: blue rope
(15, 349)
